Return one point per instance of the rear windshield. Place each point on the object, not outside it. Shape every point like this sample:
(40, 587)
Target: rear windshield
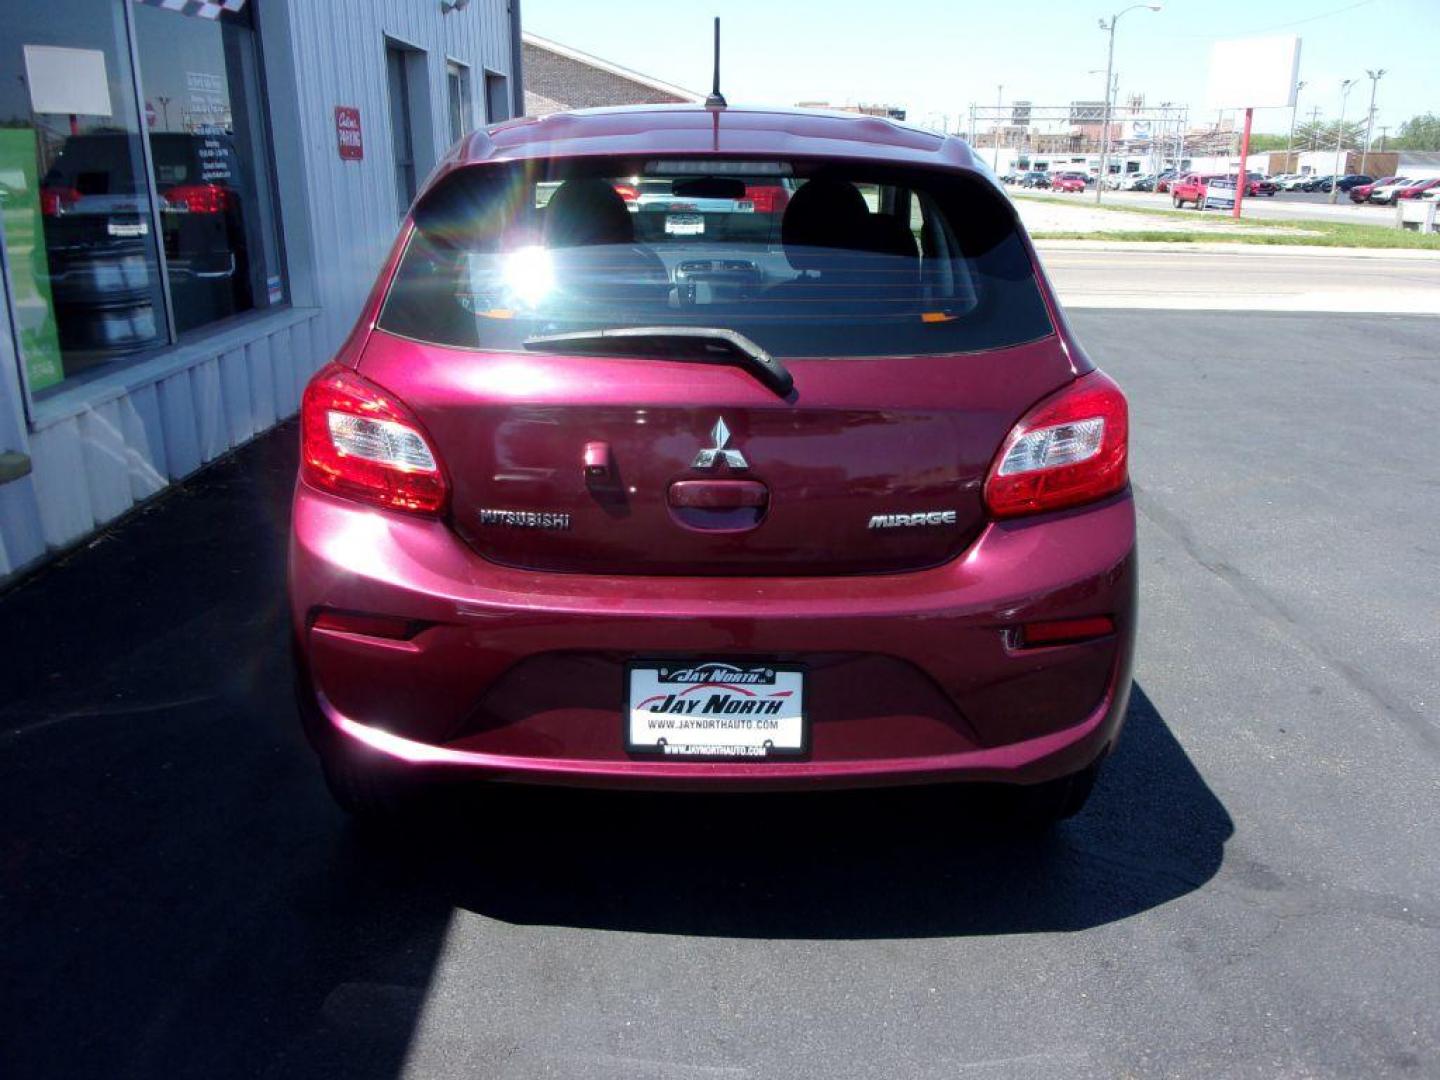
(805, 258)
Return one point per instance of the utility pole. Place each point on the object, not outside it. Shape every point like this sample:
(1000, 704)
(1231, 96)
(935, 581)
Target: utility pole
(1384, 130)
(1374, 77)
(1290, 142)
(999, 108)
(1345, 86)
(1109, 72)
(1314, 126)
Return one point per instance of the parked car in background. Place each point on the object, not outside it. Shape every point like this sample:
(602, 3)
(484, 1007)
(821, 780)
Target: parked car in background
(564, 517)
(1297, 182)
(1035, 179)
(1259, 184)
(1351, 181)
(1361, 192)
(1416, 189)
(1318, 184)
(1192, 188)
(1068, 182)
(1143, 183)
(1166, 179)
(1385, 194)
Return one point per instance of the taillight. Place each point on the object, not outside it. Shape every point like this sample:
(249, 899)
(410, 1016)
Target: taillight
(1071, 448)
(197, 198)
(768, 198)
(55, 200)
(360, 441)
(628, 192)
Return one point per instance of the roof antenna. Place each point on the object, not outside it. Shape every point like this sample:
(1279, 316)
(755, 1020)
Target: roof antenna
(716, 100)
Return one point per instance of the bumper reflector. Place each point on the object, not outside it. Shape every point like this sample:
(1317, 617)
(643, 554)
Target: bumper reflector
(1064, 631)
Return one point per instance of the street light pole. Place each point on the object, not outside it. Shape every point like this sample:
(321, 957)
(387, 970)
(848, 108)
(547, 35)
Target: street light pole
(1290, 142)
(1339, 139)
(1375, 77)
(1109, 71)
(999, 108)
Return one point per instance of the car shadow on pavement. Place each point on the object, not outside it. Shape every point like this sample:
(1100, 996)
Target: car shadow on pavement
(178, 896)
(909, 863)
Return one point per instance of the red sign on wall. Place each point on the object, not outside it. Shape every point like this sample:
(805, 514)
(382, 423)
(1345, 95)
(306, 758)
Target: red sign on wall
(347, 133)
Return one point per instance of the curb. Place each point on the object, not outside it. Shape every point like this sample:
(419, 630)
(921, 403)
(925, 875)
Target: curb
(1234, 248)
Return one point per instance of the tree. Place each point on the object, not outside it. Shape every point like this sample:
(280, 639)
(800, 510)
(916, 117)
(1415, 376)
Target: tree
(1417, 133)
(1320, 135)
(1261, 143)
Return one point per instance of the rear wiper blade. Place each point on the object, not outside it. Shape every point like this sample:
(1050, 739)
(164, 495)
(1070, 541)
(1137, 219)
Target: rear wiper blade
(710, 341)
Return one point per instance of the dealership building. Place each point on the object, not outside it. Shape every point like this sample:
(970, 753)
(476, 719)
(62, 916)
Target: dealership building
(195, 196)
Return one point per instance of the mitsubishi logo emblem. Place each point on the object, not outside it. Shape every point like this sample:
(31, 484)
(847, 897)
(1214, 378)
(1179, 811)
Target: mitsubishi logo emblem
(720, 434)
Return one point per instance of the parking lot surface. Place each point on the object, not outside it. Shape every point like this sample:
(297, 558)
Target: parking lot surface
(1253, 891)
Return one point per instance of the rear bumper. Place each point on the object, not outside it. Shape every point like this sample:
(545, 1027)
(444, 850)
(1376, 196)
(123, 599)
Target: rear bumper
(518, 675)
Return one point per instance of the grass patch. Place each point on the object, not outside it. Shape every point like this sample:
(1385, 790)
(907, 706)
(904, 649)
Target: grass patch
(1313, 234)
(1308, 233)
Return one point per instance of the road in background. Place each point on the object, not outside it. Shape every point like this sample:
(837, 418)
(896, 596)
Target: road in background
(1286, 206)
(1253, 891)
(1242, 277)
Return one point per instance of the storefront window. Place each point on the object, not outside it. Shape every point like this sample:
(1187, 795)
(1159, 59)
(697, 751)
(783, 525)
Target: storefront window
(203, 109)
(82, 253)
(78, 216)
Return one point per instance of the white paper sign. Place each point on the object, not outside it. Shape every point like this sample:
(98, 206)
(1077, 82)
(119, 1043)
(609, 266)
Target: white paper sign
(71, 82)
(1254, 73)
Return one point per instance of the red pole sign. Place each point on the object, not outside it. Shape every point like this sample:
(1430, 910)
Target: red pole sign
(1243, 179)
(347, 133)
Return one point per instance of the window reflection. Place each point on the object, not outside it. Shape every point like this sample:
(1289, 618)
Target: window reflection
(83, 261)
(206, 140)
(75, 197)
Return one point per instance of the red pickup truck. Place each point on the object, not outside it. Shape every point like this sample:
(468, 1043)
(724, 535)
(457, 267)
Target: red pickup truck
(1191, 188)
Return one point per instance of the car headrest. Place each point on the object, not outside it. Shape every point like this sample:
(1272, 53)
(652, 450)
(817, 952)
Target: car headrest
(587, 210)
(824, 213)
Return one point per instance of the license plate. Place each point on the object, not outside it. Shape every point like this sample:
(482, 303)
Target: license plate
(714, 709)
(684, 224)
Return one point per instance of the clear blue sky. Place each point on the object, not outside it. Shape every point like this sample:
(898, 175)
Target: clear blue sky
(936, 56)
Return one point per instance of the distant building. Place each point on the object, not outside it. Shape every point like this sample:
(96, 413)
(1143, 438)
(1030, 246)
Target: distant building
(558, 78)
(893, 112)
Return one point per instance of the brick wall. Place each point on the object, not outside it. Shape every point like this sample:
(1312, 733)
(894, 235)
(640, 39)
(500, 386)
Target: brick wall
(555, 83)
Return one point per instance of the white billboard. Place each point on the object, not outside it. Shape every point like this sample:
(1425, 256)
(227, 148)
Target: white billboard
(1254, 73)
(67, 81)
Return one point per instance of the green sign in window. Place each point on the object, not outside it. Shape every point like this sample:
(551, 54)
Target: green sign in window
(29, 267)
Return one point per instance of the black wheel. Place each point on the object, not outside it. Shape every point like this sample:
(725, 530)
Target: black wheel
(1040, 806)
(1175, 202)
(370, 790)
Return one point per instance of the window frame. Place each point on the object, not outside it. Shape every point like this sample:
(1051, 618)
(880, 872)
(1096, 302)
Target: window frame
(464, 74)
(266, 172)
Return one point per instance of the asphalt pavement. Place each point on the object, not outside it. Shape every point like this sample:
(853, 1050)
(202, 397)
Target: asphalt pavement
(1242, 277)
(1253, 891)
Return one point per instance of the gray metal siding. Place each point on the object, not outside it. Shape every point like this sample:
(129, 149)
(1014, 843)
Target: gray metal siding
(125, 437)
(339, 59)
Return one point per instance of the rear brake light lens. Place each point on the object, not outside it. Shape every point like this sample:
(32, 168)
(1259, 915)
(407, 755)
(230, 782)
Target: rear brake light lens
(767, 198)
(360, 441)
(1072, 448)
(56, 200)
(197, 198)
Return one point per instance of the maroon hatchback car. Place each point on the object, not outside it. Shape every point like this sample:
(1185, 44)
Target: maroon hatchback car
(713, 491)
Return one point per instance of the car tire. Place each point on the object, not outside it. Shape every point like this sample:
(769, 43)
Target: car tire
(1175, 202)
(371, 791)
(1041, 806)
